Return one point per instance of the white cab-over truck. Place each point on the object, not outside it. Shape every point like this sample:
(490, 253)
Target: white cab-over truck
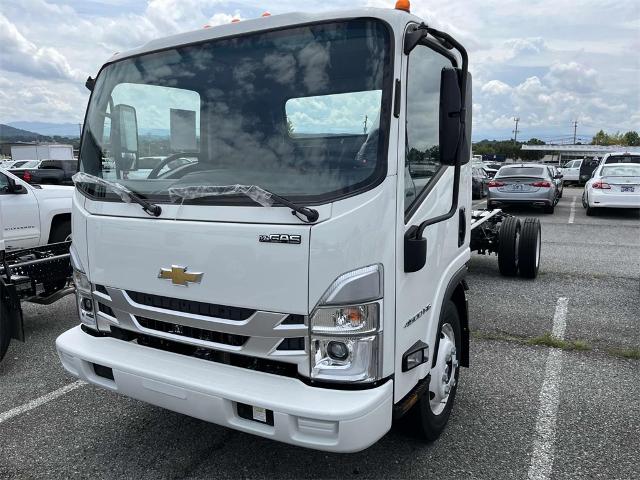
(295, 266)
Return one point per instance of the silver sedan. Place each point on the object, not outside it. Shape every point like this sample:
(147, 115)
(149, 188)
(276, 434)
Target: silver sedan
(523, 184)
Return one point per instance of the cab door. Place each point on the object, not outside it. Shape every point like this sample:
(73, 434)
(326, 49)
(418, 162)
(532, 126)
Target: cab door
(426, 195)
(20, 217)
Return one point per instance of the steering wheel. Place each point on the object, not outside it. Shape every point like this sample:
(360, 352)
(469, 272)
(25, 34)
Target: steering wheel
(174, 156)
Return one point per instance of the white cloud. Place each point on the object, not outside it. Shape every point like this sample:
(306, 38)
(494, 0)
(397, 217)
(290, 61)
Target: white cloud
(496, 87)
(546, 61)
(20, 55)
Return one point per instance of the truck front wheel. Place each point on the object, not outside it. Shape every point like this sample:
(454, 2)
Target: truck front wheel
(429, 416)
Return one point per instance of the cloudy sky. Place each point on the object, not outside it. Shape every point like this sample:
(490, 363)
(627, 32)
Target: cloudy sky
(548, 62)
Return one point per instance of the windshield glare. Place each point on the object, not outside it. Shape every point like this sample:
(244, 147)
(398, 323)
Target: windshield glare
(521, 172)
(296, 111)
(621, 171)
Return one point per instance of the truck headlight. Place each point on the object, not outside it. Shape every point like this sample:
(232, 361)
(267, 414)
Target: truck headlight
(84, 299)
(346, 328)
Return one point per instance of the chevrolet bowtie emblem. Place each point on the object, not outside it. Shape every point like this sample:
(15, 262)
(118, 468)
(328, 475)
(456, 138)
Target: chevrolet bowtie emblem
(179, 276)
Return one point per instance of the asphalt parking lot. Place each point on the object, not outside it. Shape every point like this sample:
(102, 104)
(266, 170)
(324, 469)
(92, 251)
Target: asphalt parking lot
(523, 410)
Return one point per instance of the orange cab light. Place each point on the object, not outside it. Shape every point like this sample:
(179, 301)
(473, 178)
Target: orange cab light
(266, 14)
(206, 26)
(403, 5)
(235, 20)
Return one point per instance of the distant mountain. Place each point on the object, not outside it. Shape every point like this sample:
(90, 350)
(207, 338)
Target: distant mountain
(49, 129)
(8, 133)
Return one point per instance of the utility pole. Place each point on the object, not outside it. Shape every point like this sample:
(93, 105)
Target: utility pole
(80, 130)
(575, 129)
(515, 132)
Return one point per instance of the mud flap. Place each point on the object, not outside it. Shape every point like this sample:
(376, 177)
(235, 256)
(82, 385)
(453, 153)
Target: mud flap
(11, 308)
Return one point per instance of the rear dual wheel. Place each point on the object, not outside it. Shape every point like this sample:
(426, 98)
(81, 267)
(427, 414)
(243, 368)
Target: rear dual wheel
(519, 248)
(5, 328)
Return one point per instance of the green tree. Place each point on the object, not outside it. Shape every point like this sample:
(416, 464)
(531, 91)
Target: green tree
(631, 139)
(532, 155)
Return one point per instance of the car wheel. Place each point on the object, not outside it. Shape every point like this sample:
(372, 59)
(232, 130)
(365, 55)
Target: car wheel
(5, 329)
(590, 211)
(549, 208)
(61, 232)
(584, 201)
(508, 240)
(561, 192)
(429, 416)
(530, 248)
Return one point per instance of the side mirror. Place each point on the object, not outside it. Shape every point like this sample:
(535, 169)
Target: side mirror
(124, 136)
(455, 118)
(15, 187)
(450, 116)
(415, 250)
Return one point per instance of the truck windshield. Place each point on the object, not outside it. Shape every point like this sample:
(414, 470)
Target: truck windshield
(302, 112)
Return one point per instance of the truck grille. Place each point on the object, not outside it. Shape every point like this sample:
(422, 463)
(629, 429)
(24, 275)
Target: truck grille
(190, 306)
(207, 330)
(192, 332)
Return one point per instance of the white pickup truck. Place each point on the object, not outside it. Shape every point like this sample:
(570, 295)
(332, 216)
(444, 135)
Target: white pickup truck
(33, 215)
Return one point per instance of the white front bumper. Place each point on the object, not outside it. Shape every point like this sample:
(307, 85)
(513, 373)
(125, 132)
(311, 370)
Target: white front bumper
(319, 418)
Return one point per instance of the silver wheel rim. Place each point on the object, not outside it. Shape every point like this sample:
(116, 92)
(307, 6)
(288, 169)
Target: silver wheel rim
(443, 376)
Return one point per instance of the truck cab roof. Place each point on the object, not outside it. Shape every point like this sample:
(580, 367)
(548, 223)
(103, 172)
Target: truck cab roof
(396, 18)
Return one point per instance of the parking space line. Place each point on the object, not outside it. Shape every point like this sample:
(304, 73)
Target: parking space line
(544, 444)
(572, 214)
(40, 401)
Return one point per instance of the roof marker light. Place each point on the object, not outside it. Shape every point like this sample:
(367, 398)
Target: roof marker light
(206, 26)
(403, 5)
(266, 14)
(235, 20)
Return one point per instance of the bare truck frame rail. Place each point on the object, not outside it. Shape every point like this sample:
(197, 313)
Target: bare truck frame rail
(38, 275)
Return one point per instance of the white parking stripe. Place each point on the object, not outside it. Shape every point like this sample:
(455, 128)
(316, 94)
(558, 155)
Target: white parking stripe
(544, 444)
(40, 401)
(572, 214)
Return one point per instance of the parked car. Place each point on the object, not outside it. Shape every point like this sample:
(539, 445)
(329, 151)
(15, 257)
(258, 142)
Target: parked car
(24, 164)
(620, 157)
(479, 182)
(523, 184)
(33, 215)
(571, 171)
(613, 185)
(556, 174)
(52, 171)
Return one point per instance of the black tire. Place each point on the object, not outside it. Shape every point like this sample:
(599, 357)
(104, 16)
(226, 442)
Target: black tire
(591, 211)
(421, 419)
(490, 205)
(530, 248)
(561, 192)
(5, 329)
(584, 201)
(60, 231)
(549, 209)
(509, 239)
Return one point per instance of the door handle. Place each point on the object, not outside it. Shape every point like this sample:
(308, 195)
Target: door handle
(462, 226)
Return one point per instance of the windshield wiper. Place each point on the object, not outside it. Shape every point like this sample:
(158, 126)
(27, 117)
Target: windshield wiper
(258, 194)
(127, 195)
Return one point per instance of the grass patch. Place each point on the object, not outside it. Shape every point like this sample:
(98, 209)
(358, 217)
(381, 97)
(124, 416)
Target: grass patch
(548, 340)
(631, 353)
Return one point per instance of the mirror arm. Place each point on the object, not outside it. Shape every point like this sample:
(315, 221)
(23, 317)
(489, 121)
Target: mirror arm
(452, 211)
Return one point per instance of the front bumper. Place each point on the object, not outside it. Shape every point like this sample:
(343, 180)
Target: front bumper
(319, 418)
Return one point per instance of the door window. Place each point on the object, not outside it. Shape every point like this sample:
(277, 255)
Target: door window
(4, 184)
(422, 152)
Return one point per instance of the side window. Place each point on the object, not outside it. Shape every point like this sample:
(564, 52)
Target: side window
(422, 153)
(4, 184)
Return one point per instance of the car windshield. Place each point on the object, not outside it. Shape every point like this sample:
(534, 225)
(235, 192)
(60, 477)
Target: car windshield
(297, 111)
(621, 171)
(623, 159)
(521, 172)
